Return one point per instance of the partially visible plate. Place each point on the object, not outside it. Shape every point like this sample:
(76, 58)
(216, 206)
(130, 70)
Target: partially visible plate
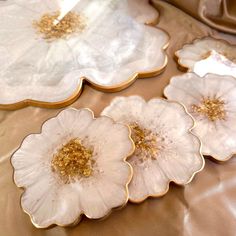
(208, 55)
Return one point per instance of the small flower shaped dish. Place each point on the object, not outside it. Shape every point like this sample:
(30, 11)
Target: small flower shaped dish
(166, 149)
(53, 46)
(211, 100)
(208, 55)
(73, 167)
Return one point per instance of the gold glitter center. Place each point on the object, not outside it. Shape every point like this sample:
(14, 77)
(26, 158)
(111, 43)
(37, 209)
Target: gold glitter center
(73, 161)
(145, 142)
(52, 29)
(213, 109)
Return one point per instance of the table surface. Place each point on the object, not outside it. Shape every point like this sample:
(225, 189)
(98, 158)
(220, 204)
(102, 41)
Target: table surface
(207, 206)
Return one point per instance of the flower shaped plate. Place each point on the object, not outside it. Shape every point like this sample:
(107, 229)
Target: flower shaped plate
(166, 148)
(114, 48)
(208, 55)
(59, 188)
(211, 100)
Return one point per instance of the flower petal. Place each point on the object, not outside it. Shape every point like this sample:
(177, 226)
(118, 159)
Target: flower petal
(49, 203)
(148, 180)
(98, 200)
(120, 105)
(181, 159)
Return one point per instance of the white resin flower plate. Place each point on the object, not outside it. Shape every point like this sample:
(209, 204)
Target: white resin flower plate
(211, 100)
(44, 60)
(166, 149)
(72, 168)
(208, 55)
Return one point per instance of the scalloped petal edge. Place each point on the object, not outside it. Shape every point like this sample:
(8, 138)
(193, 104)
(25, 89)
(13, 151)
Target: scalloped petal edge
(79, 218)
(83, 80)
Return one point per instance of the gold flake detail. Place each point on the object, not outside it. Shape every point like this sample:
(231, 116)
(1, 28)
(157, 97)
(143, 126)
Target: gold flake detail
(51, 28)
(145, 142)
(213, 109)
(73, 161)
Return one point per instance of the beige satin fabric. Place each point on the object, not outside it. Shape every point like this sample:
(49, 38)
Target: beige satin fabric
(219, 14)
(205, 207)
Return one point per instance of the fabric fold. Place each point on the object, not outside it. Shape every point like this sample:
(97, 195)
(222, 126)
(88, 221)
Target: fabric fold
(219, 14)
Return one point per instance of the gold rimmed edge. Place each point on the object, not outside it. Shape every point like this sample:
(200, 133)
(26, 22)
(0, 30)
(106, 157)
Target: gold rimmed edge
(76, 94)
(217, 159)
(185, 68)
(187, 131)
(205, 154)
(79, 218)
